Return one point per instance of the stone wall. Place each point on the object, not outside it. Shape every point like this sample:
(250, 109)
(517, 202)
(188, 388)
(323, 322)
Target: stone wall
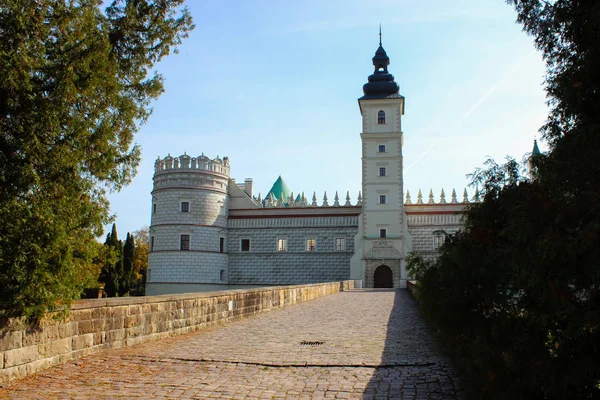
(100, 324)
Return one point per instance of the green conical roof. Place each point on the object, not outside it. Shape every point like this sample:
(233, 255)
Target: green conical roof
(536, 150)
(279, 188)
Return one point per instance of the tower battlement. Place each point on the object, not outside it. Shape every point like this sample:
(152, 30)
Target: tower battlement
(186, 162)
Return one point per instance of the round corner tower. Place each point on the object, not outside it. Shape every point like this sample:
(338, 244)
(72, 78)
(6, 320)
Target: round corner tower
(188, 228)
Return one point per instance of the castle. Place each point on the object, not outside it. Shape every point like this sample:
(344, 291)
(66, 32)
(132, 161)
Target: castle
(208, 232)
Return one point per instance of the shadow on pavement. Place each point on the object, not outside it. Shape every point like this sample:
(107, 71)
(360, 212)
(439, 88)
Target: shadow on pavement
(412, 366)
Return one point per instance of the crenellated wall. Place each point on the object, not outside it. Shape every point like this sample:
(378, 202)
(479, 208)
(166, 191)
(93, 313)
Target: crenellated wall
(101, 324)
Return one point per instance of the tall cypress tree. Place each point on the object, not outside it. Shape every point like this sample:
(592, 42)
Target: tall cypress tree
(128, 260)
(112, 273)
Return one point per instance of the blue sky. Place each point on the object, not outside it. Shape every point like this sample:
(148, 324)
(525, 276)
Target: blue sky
(274, 86)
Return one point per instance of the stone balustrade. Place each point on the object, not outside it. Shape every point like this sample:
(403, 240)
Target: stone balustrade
(99, 324)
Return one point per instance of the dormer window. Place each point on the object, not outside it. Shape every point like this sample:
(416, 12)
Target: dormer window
(381, 117)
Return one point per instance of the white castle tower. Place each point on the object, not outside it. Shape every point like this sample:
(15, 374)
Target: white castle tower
(188, 230)
(383, 238)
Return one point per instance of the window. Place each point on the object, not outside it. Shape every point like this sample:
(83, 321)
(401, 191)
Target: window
(245, 245)
(381, 117)
(340, 244)
(154, 208)
(382, 199)
(222, 275)
(382, 171)
(383, 233)
(221, 245)
(184, 242)
(311, 244)
(185, 206)
(439, 237)
(152, 243)
(281, 244)
(382, 148)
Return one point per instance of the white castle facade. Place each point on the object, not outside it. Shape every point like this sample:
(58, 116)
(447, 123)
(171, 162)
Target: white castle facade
(208, 232)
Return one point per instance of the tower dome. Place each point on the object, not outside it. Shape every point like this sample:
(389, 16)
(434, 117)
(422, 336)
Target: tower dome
(381, 83)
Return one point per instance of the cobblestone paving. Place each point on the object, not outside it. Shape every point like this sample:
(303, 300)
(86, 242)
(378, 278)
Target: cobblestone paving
(375, 346)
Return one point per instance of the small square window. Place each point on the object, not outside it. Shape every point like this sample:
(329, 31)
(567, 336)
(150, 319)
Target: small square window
(245, 245)
(281, 244)
(185, 206)
(340, 244)
(382, 199)
(383, 233)
(311, 244)
(382, 171)
(382, 148)
(184, 242)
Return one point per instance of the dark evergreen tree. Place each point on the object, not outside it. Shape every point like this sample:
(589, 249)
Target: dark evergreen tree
(516, 294)
(112, 272)
(128, 263)
(77, 80)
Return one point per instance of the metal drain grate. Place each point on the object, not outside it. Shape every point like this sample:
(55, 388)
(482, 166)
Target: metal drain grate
(310, 343)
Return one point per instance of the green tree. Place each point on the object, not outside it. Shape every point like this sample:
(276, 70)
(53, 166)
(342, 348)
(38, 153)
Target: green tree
(140, 265)
(113, 270)
(76, 84)
(515, 294)
(128, 264)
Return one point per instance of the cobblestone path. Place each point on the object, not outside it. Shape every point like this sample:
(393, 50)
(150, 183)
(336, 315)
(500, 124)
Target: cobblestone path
(374, 346)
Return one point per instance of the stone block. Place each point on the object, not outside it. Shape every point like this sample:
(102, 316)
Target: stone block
(68, 329)
(83, 341)
(11, 340)
(45, 334)
(84, 327)
(100, 312)
(134, 309)
(118, 311)
(10, 374)
(115, 336)
(55, 348)
(130, 321)
(99, 338)
(81, 315)
(20, 356)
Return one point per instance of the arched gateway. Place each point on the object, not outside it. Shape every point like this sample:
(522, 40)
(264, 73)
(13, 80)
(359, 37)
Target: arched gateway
(384, 278)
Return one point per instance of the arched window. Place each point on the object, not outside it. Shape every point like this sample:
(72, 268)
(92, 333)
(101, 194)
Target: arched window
(381, 117)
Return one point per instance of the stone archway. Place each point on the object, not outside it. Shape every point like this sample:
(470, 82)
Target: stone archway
(383, 277)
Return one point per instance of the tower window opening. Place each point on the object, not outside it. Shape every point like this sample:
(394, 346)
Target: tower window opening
(382, 171)
(185, 206)
(184, 242)
(382, 148)
(154, 208)
(221, 245)
(311, 244)
(222, 275)
(381, 117)
(383, 233)
(380, 68)
(382, 199)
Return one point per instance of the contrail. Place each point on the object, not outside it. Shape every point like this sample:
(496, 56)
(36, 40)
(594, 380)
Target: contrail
(473, 108)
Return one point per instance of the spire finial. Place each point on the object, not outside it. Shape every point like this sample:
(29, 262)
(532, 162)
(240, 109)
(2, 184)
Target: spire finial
(380, 33)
